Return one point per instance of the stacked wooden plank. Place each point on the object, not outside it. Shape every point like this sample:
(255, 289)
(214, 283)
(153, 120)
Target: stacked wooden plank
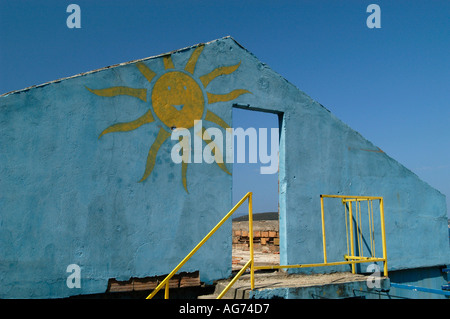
(266, 236)
(263, 240)
(180, 280)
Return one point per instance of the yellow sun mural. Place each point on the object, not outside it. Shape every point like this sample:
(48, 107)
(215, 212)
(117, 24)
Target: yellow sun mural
(178, 100)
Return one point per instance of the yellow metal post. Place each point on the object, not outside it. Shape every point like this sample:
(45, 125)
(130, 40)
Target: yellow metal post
(250, 226)
(360, 241)
(323, 231)
(383, 237)
(373, 227)
(166, 291)
(346, 226)
(370, 228)
(350, 218)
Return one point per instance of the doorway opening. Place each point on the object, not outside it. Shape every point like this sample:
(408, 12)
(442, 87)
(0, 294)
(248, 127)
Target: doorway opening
(257, 173)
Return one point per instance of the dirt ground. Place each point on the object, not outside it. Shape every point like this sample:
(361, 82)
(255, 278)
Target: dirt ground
(241, 257)
(281, 278)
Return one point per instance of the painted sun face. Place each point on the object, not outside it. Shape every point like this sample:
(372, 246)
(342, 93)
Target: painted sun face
(178, 100)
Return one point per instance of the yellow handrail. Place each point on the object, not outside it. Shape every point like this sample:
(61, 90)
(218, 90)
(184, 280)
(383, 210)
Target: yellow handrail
(193, 251)
(251, 262)
(350, 259)
(248, 264)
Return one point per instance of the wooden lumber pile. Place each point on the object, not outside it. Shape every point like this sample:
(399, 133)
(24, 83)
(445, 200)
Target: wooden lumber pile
(180, 280)
(263, 240)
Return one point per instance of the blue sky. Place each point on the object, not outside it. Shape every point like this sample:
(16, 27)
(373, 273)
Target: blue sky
(390, 84)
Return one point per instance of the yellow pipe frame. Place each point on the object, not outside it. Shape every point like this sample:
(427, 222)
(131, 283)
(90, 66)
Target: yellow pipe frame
(166, 291)
(250, 230)
(357, 259)
(323, 231)
(239, 274)
(350, 219)
(193, 251)
(383, 237)
(350, 260)
(320, 264)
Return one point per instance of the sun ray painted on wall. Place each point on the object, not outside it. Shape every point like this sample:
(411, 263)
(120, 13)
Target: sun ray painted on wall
(129, 126)
(177, 100)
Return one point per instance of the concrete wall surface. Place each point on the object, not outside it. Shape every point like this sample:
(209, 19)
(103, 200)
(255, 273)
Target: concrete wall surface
(419, 283)
(87, 178)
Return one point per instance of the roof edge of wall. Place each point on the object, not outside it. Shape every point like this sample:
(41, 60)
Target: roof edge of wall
(119, 64)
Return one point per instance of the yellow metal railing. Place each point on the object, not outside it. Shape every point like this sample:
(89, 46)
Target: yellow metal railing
(347, 201)
(250, 263)
(351, 258)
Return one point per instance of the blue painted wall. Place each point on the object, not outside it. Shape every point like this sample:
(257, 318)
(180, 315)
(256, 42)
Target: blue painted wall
(68, 197)
(428, 281)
